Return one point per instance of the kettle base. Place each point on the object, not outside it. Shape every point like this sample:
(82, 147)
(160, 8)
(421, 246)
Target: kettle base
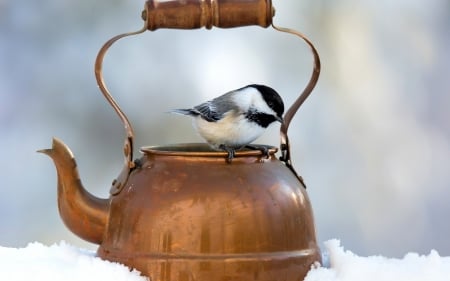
(283, 266)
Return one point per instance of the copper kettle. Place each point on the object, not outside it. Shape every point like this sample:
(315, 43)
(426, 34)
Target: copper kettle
(182, 212)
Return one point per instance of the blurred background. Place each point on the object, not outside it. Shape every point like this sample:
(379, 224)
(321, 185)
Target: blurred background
(372, 141)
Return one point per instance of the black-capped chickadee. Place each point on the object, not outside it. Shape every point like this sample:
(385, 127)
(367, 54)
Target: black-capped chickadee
(235, 119)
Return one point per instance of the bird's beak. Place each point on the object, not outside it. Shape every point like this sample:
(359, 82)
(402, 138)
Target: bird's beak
(279, 119)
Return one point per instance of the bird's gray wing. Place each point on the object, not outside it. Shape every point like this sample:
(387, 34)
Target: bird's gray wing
(208, 112)
(215, 109)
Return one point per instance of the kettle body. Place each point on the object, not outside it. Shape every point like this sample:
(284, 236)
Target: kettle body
(187, 214)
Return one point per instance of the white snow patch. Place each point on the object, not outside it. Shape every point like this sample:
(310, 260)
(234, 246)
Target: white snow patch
(346, 266)
(61, 261)
(64, 262)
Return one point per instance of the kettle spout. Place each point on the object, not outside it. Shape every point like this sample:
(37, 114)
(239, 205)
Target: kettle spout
(84, 214)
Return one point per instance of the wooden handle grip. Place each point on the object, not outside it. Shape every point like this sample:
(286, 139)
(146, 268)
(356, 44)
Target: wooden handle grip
(192, 14)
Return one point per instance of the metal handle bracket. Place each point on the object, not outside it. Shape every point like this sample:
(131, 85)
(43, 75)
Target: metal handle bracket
(284, 142)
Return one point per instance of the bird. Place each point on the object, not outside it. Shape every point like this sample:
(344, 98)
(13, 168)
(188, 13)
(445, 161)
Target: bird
(235, 119)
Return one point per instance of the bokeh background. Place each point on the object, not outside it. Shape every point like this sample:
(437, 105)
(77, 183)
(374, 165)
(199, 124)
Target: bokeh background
(372, 141)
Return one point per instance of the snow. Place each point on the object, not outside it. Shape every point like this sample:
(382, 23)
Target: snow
(346, 266)
(62, 261)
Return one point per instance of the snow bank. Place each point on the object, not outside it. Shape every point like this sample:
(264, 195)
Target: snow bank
(59, 262)
(346, 266)
(64, 262)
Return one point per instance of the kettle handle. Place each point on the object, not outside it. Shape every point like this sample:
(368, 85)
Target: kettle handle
(284, 142)
(264, 19)
(118, 183)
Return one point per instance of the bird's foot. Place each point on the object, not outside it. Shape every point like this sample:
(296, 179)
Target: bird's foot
(230, 151)
(264, 150)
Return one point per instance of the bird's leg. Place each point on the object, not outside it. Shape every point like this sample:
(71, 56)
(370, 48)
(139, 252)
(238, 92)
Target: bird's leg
(264, 150)
(230, 151)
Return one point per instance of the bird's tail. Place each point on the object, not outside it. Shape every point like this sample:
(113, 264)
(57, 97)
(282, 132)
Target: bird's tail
(189, 112)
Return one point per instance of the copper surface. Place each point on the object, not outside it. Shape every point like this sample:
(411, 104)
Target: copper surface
(191, 14)
(187, 214)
